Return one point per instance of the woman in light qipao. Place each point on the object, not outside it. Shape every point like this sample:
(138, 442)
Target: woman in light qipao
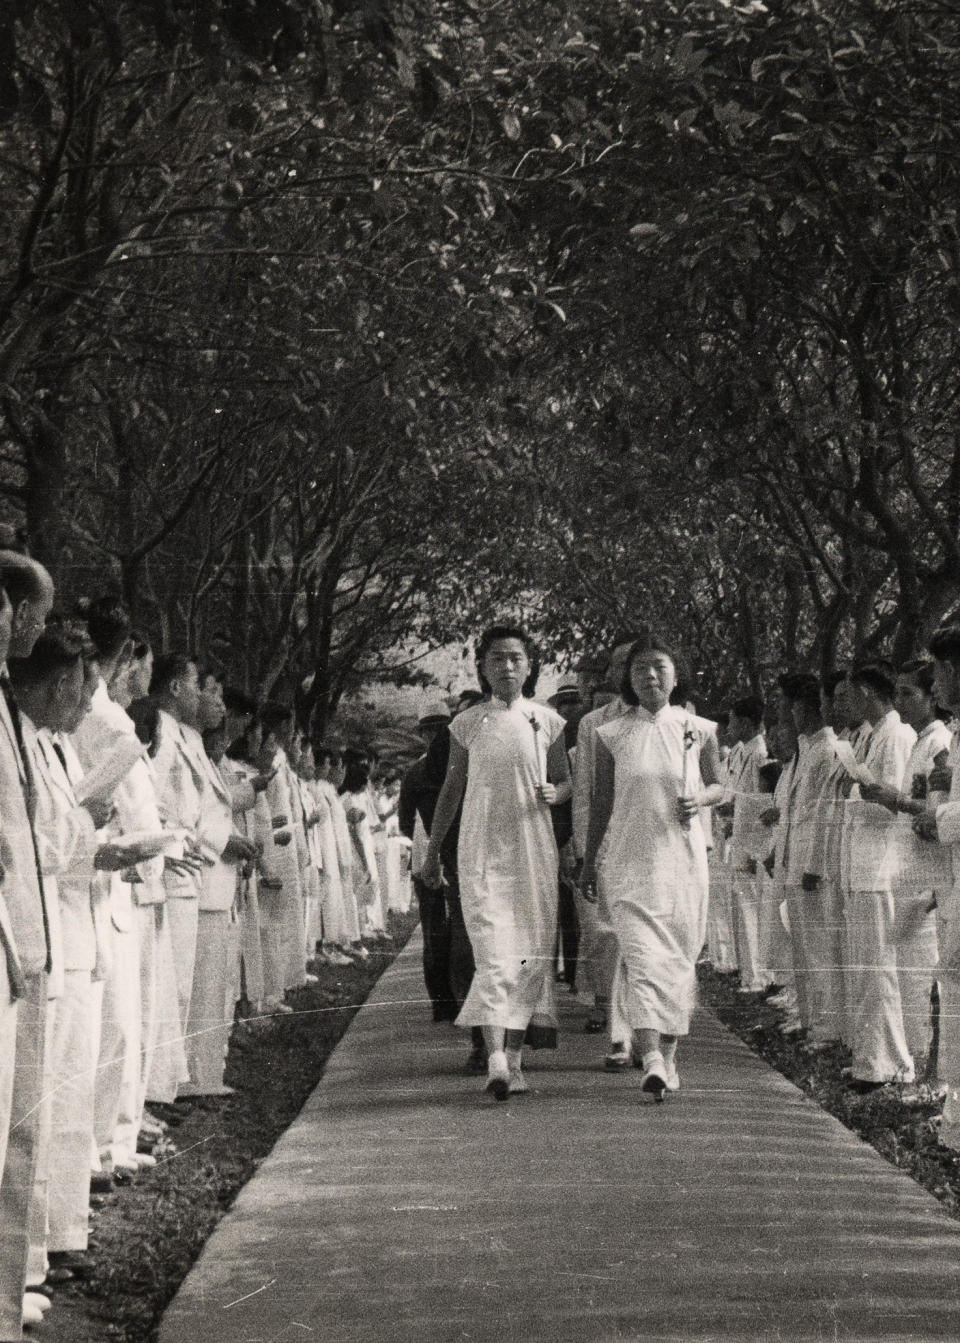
(507, 757)
(657, 766)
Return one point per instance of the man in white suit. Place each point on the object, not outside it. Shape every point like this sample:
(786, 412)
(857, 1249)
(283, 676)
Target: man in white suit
(30, 591)
(179, 778)
(209, 1016)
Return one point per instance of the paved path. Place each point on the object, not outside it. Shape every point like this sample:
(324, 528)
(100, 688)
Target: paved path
(403, 1207)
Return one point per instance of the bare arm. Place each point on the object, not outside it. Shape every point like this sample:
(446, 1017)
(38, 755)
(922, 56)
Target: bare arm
(451, 795)
(601, 809)
(711, 773)
(560, 788)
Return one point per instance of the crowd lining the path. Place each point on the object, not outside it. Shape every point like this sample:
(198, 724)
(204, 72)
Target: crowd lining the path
(173, 856)
(613, 838)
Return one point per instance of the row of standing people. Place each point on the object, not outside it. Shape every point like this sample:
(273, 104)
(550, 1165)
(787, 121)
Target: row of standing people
(167, 851)
(834, 896)
(838, 893)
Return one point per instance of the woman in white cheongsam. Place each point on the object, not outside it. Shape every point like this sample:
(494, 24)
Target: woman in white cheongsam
(509, 766)
(657, 766)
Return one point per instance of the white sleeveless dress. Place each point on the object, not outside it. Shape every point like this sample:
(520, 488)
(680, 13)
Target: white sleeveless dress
(507, 861)
(653, 868)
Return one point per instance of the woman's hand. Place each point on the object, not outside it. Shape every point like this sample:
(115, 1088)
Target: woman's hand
(547, 792)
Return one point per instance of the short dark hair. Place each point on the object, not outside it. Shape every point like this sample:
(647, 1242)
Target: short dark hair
(877, 676)
(647, 643)
(830, 681)
(326, 751)
(749, 707)
(623, 637)
(921, 672)
(62, 644)
(141, 643)
(167, 668)
(357, 776)
(944, 644)
(21, 576)
(108, 622)
(801, 688)
(145, 713)
(238, 701)
(274, 715)
(496, 632)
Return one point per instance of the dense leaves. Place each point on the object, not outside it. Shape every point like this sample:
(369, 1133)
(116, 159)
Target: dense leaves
(326, 330)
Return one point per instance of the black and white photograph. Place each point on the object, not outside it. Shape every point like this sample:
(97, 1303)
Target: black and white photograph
(479, 671)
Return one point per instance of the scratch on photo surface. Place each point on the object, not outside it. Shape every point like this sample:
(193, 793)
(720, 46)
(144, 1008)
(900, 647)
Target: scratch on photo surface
(183, 1151)
(256, 1292)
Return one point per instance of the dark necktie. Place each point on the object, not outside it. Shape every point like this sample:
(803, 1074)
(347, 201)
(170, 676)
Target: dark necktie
(60, 756)
(30, 799)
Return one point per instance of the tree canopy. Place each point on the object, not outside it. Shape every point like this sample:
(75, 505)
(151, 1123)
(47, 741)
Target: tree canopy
(327, 330)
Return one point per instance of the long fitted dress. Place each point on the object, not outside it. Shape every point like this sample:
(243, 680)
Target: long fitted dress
(653, 867)
(507, 861)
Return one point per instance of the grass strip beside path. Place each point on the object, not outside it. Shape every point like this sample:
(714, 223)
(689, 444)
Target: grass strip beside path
(147, 1235)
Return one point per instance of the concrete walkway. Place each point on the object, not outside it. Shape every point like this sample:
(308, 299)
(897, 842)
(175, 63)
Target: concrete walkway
(402, 1206)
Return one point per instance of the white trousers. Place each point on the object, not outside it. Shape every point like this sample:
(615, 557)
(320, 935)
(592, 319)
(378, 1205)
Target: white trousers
(745, 919)
(915, 937)
(209, 1019)
(878, 1041)
(116, 1117)
(74, 1079)
(720, 943)
(816, 936)
(20, 1164)
(168, 1065)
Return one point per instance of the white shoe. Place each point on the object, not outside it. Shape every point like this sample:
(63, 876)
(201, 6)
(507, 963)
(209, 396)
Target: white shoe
(310, 979)
(145, 1161)
(360, 952)
(673, 1077)
(654, 1079)
(498, 1075)
(338, 958)
(517, 1084)
(38, 1301)
(30, 1314)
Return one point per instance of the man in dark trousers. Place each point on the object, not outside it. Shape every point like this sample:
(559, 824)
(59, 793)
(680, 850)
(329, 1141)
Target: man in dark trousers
(433, 907)
(418, 796)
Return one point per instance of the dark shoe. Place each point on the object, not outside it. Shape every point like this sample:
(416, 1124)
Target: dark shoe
(101, 1183)
(476, 1063)
(861, 1087)
(595, 1024)
(75, 1262)
(654, 1079)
